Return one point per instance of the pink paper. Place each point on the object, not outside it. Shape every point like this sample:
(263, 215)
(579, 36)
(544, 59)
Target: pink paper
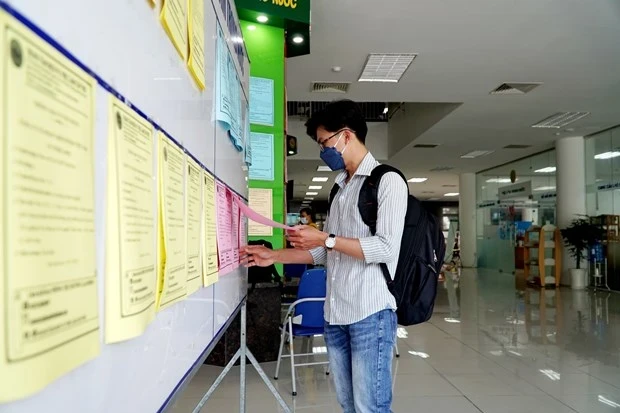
(224, 228)
(258, 218)
(235, 232)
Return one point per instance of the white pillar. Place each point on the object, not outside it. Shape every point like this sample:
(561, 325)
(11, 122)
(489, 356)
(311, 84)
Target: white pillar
(467, 219)
(571, 189)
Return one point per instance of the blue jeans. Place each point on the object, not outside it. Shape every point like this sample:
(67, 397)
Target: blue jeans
(360, 358)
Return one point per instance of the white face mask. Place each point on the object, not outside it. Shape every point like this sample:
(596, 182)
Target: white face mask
(304, 220)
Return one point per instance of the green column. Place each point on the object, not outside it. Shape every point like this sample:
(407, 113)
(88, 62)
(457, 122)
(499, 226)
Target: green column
(265, 47)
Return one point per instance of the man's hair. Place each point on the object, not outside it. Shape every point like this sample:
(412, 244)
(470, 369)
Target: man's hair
(337, 115)
(308, 212)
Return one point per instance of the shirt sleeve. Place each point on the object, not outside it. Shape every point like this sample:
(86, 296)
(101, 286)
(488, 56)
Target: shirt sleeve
(392, 196)
(319, 254)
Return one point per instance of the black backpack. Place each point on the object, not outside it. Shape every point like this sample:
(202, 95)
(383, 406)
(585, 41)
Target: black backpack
(422, 251)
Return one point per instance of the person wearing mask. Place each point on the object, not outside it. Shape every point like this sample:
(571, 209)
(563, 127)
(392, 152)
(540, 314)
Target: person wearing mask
(307, 218)
(360, 318)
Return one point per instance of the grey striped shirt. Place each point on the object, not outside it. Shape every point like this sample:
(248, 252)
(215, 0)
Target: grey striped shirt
(356, 289)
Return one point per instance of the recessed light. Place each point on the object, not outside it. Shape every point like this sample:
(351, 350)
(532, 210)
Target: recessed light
(320, 179)
(298, 39)
(560, 119)
(323, 168)
(545, 188)
(499, 180)
(546, 170)
(312, 193)
(475, 154)
(452, 194)
(251, 27)
(607, 155)
(315, 187)
(417, 180)
(262, 19)
(386, 67)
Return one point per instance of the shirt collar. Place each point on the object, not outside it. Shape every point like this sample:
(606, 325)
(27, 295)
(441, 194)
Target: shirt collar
(364, 169)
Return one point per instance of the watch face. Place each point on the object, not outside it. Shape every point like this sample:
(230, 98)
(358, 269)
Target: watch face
(330, 242)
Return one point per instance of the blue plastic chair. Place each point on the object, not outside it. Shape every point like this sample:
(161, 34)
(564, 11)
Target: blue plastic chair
(304, 318)
(294, 270)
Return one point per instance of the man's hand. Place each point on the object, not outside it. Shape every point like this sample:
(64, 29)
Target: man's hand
(257, 255)
(307, 238)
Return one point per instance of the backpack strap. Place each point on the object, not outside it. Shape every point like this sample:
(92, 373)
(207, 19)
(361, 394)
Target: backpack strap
(368, 204)
(332, 195)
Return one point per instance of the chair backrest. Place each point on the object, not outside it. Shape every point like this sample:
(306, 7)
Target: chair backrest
(294, 270)
(312, 285)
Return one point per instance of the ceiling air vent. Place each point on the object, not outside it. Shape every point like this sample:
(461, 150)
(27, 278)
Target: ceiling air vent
(517, 146)
(560, 119)
(442, 168)
(330, 87)
(425, 146)
(514, 88)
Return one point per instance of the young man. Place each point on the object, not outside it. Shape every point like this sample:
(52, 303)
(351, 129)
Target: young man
(360, 322)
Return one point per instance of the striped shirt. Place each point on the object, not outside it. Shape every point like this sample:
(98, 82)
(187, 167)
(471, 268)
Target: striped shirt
(356, 289)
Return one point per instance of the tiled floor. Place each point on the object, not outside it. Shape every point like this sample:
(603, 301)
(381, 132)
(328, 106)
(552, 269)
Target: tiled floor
(492, 346)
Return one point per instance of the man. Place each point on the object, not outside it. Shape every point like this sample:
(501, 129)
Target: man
(360, 322)
(307, 217)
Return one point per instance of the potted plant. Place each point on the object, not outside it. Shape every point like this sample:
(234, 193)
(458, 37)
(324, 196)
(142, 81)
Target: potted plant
(578, 237)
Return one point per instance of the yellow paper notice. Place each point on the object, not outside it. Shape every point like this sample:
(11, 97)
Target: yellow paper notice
(130, 225)
(209, 249)
(48, 291)
(196, 30)
(173, 270)
(261, 201)
(173, 17)
(193, 206)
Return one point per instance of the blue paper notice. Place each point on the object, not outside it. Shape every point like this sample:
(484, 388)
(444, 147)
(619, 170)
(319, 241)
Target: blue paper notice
(262, 156)
(261, 101)
(228, 93)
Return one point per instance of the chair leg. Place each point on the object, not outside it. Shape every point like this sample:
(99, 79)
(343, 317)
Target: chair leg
(396, 348)
(284, 334)
(292, 351)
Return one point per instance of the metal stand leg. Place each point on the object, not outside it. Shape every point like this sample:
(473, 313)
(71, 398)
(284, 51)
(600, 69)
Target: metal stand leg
(243, 353)
(396, 348)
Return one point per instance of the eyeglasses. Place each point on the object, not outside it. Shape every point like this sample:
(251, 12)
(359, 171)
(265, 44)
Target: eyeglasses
(322, 143)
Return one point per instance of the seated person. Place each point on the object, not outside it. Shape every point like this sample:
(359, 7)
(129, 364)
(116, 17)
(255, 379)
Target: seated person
(307, 218)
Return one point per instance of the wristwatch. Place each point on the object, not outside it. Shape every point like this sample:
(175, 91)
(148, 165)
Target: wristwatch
(330, 242)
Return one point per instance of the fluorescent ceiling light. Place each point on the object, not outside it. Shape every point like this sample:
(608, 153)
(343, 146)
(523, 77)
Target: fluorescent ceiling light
(545, 188)
(452, 320)
(312, 193)
(476, 154)
(419, 354)
(499, 180)
(386, 67)
(553, 375)
(262, 19)
(547, 170)
(323, 168)
(320, 179)
(452, 194)
(560, 119)
(607, 155)
(385, 110)
(417, 180)
(317, 187)
(608, 402)
(308, 198)
(298, 39)
(291, 152)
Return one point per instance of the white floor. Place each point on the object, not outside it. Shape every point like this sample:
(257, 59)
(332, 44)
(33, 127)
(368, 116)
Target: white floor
(492, 346)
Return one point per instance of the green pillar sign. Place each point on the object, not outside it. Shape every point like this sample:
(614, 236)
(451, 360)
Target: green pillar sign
(292, 10)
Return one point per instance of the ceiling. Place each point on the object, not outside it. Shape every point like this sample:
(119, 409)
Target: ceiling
(465, 50)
